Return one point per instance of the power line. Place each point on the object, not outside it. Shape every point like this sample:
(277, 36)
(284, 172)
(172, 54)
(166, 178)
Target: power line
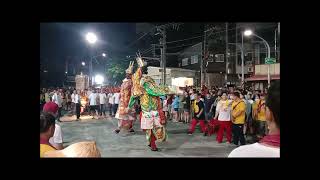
(216, 33)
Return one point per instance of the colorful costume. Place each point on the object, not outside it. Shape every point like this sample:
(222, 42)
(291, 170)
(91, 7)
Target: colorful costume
(152, 117)
(126, 116)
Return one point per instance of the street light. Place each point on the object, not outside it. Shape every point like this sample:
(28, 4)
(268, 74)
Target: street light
(103, 54)
(249, 33)
(83, 63)
(98, 79)
(91, 38)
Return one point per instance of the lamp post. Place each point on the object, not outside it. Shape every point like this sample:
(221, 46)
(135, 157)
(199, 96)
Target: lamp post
(91, 39)
(249, 33)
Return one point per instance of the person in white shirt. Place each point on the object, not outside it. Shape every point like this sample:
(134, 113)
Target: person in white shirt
(116, 97)
(73, 102)
(103, 100)
(223, 111)
(269, 146)
(89, 92)
(56, 98)
(57, 139)
(77, 103)
(93, 104)
(111, 102)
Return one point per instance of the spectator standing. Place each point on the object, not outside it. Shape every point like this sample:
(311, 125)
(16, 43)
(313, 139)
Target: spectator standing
(238, 119)
(186, 107)
(56, 98)
(77, 103)
(93, 104)
(175, 105)
(198, 115)
(111, 102)
(46, 95)
(103, 100)
(169, 102)
(269, 146)
(223, 111)
(181, 106)
(73, 102)
(116, 97)
(208, 106)
(260, 120)
(165, 107)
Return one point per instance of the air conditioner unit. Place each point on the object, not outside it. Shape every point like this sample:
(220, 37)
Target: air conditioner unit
(250, 69)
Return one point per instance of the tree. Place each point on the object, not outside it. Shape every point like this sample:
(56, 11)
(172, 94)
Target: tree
(115, 71)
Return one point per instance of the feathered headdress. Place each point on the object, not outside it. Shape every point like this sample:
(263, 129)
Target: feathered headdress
(130, 68)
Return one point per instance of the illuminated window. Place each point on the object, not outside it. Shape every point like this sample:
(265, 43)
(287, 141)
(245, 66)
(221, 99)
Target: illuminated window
(194, 59)
(185, 62)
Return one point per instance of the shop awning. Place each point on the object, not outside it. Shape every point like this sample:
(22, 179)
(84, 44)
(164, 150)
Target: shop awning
(262, 77)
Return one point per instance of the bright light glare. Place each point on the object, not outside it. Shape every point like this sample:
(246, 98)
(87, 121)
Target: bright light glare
(91, 38)
(83, 63)
(66, 72)
(247, 33)
(103, 54)
(99, 79)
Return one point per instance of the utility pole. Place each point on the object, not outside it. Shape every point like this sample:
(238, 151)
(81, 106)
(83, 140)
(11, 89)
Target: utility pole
(226, 75)
(164, 63)
(163, 54)
(202, 77)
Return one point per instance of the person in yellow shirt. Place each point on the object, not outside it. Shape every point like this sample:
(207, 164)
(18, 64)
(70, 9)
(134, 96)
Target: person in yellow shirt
(260, 117)
(47, 127)
(238, 111)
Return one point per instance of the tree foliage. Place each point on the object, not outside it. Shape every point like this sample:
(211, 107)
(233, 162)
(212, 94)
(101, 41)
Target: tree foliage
(115, 71)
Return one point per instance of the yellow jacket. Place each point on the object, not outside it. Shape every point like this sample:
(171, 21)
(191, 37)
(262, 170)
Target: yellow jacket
(241, 107)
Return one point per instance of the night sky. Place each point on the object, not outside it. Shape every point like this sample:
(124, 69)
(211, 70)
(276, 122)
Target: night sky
(62, 41)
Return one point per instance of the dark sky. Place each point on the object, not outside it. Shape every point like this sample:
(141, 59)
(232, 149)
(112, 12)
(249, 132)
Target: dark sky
(61, 41)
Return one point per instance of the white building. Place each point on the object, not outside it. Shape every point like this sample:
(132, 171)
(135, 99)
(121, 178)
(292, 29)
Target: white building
(175, 77)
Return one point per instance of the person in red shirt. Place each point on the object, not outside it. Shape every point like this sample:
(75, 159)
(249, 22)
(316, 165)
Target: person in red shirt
(51, 108)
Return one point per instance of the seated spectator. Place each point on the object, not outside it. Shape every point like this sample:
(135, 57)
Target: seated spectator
(87, 149)
(47, 127)
(269, 146)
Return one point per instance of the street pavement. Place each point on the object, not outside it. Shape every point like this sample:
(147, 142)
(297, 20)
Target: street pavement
(124, 144)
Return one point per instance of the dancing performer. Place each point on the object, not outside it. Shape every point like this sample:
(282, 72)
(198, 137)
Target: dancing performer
(126, 115)
(151, 117)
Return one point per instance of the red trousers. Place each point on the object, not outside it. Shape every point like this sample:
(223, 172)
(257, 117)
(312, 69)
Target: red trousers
(212, 126)
(194, 122)
(222, 126)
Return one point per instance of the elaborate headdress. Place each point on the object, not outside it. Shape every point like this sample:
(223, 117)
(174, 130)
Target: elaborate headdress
(130, 68)
(139, 60)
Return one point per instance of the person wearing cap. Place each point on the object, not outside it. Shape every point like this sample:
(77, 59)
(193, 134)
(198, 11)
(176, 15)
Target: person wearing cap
(47, 128)
(238, 110)
(125, 115)
(86, 149)
(57, 139)
(269, 145)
